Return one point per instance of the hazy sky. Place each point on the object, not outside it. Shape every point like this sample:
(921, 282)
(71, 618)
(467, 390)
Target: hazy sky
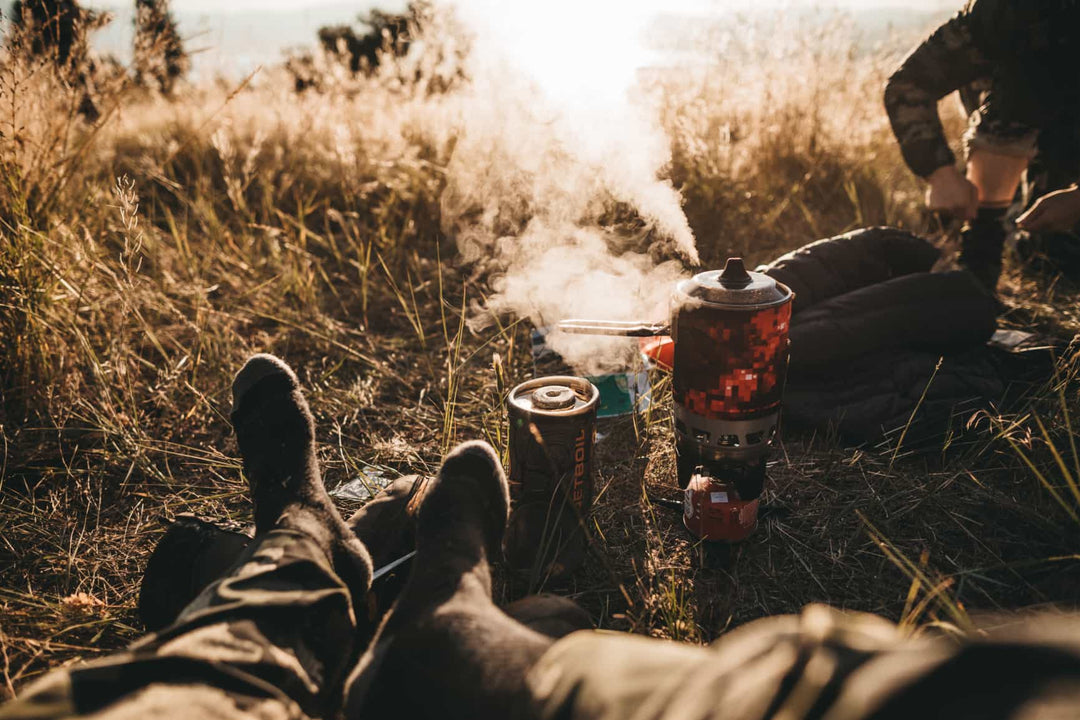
(235, 36)
(217, 6)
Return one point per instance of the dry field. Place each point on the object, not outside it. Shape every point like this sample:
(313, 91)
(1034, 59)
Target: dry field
(144, 256)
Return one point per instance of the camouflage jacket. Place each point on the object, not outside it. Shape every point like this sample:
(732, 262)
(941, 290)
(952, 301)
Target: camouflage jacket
(1016, 63)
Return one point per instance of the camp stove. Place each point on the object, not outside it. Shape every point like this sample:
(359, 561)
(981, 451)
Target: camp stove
(730, 334)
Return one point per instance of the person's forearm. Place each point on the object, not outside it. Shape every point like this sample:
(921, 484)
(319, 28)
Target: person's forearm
(946, 61)
(915, 123)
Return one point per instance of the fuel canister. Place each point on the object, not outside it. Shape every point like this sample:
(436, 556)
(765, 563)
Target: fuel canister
(551, 439)
(713, 510)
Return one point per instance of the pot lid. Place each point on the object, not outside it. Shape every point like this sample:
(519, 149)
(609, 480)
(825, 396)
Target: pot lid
(734, 285)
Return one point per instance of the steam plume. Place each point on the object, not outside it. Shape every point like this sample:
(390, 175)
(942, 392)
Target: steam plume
(550, 143)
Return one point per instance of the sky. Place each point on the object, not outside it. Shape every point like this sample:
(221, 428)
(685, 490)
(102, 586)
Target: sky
(233, 37)
(240, 6)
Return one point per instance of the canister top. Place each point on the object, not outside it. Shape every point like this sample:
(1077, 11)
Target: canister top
(554, 397)
(734, 285)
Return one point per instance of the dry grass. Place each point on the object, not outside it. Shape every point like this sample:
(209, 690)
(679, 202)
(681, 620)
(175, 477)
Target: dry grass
(144, 257)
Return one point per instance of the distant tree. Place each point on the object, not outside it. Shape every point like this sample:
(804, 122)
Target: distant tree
(342, 42)
(159, 56)
(57, 31)
(54, 29)
(387, 33)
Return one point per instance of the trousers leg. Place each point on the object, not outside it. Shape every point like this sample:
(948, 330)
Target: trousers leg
(821, 665)
(272, 639)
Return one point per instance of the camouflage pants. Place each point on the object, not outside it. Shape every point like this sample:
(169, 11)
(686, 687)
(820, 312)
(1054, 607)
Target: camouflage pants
(1054, 150)
(822, 664)
(273, 639)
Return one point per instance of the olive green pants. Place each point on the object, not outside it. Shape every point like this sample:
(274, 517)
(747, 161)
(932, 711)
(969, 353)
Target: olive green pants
(273, 639)
(822, 664)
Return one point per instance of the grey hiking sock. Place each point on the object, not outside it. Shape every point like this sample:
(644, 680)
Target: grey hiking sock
(276, 435)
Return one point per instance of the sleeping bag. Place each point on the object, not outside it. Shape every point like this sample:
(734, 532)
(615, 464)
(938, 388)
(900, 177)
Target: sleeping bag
(870, 324)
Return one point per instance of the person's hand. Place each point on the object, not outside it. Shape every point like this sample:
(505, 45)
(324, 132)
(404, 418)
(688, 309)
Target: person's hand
(950, 192)
(1058, 211)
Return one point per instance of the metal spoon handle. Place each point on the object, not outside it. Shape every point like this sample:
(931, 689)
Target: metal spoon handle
(614, 327)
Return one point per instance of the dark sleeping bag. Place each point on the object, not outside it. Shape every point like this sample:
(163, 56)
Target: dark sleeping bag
(936, 312)
(869, 324)
(858, 259)
(879, 394)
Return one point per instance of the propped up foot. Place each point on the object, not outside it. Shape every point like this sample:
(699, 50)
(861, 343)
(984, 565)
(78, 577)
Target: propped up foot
(276, 434)
(445, 634)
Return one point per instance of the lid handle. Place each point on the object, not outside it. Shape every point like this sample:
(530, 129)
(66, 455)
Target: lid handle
(734, 275)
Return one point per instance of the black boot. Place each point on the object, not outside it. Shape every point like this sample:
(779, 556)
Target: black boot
(191, 555)
(981, 243)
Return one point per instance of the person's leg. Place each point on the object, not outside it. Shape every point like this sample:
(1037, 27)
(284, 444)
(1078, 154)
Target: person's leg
(550, 615)
(998, 152)
(996, 175)
(823, 663)
(387, 523)
(193, 553)
(446, 650)
(272, 638)
(982, 239)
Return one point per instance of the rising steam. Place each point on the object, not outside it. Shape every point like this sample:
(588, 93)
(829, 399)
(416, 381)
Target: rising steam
(549, 144)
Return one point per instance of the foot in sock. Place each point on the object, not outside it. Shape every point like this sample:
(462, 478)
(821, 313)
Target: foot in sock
(445, 634)
(276, 435)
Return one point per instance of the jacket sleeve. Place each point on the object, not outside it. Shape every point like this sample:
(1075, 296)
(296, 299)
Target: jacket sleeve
(955, 55)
